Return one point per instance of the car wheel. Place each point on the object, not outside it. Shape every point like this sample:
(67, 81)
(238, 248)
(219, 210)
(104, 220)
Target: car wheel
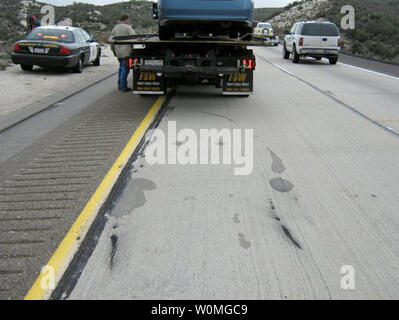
(26, 67)
(333, 60)
(295, 55)
(276, 44)
(97, 61)
(286, 53)
(79, 67)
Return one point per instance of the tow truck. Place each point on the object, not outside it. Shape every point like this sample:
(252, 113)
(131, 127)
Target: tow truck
(159, 64)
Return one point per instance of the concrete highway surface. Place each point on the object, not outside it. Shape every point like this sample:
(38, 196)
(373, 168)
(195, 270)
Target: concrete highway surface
(323, 196)
(316, 217)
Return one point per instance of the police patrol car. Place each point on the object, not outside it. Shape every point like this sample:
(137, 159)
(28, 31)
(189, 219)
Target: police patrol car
(57, 46)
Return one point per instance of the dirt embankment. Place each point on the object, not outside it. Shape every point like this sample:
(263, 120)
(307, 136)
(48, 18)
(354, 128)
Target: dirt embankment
(20, 88)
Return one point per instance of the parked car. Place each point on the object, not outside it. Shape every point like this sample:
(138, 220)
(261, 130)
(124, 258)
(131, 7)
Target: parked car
(219, 17)
(57, 46)
(312, 39)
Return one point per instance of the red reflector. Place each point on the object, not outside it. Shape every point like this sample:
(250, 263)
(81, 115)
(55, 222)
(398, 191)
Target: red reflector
(64, 50)
(250, 64)
(17, 47)
(300, 42)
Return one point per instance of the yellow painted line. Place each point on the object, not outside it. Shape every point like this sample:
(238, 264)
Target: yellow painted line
(58, 263)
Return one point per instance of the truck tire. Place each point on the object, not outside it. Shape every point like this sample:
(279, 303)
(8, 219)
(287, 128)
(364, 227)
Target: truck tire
(333, 60)
(295, 55)
(286, 53)
(79, 66)
(165, 33)
(26, 67)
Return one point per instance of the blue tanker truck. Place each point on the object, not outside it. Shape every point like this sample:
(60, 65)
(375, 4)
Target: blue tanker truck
(218, 17)
(199, 42)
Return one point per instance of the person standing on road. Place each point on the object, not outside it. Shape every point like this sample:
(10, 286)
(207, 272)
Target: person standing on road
(123, 51)
(33, 23)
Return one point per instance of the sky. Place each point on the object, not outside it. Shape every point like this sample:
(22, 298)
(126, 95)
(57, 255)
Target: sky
(258, 3)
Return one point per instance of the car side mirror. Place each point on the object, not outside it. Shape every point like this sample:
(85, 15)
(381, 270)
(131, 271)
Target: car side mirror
(155, 10)
(287, 32)
(92, 38)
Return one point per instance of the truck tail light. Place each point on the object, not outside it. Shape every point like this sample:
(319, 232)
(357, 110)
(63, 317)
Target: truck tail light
(339, 43)
(130, 62)
(64, 50)
(248, 64)
(301, 42)
(17, 47)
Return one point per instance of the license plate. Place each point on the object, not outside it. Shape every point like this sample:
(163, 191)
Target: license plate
(39, 50)
(153, 63)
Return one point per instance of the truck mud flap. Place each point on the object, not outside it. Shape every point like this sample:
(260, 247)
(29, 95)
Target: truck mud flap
(145, 82)
(238, 83)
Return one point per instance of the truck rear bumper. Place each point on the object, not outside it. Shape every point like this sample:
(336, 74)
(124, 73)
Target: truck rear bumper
(318, 52)
(45, 60)
(190, 70)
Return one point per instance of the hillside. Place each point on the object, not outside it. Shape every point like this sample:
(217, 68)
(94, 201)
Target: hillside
(377, 24)
(265, 14)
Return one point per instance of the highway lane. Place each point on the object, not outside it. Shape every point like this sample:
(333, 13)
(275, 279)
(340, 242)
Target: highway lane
(50, 165)
(378, 91)
(323, 194)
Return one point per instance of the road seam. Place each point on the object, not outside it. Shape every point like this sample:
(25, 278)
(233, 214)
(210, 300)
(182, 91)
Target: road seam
(65, 252)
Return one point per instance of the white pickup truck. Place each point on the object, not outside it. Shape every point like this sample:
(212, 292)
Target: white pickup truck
(312, 39)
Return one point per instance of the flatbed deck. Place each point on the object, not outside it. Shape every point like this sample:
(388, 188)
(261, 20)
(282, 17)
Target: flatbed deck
(154, 39)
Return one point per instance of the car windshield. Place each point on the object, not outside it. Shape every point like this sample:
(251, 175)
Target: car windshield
(51, 34)
(320, 29)
(264, 25)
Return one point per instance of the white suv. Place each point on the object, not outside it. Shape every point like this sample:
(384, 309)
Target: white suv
(312, 39)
